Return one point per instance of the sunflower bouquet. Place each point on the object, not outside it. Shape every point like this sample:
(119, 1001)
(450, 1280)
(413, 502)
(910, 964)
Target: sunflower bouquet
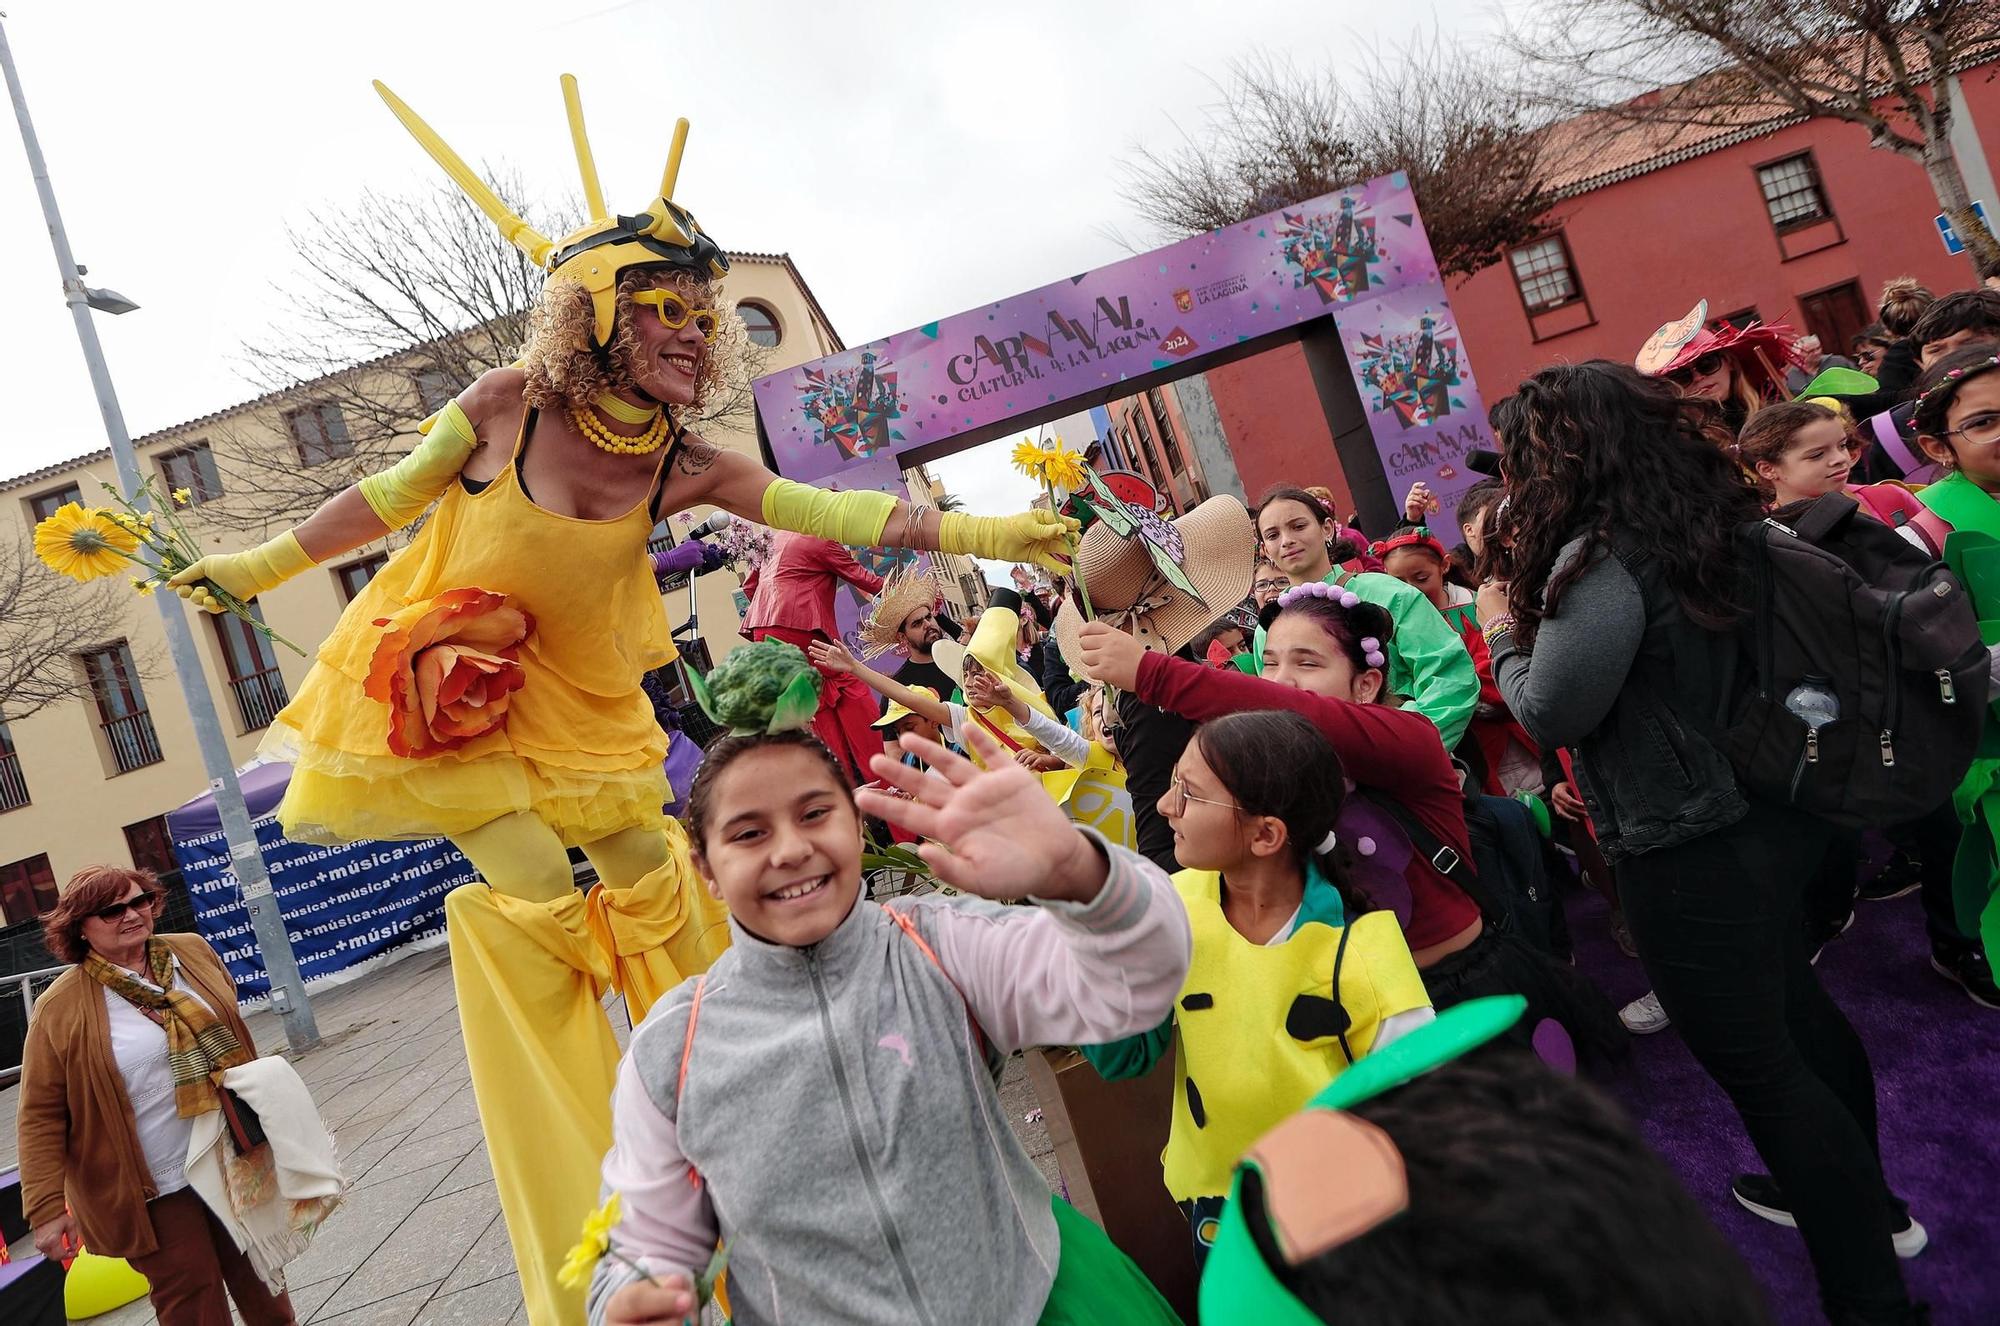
(90, 543)
(1057, 467)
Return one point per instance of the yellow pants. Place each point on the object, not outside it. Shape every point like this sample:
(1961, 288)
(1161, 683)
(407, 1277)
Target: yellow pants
(531, 961)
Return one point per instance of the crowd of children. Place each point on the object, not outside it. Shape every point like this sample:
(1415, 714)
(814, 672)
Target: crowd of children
(1332, 746)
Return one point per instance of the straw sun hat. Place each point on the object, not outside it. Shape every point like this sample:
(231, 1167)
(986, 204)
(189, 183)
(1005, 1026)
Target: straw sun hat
(1129, 591)
(906, 590)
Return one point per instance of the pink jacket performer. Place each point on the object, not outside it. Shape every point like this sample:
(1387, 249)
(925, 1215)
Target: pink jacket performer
(791, 599)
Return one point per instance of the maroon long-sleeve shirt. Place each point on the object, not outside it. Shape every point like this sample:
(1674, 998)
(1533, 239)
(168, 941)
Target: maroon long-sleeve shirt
(1395, 753)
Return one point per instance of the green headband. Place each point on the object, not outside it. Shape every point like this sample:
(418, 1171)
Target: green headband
(1237, 1284)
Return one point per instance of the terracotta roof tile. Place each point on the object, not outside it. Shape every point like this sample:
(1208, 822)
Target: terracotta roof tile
(1599, 148)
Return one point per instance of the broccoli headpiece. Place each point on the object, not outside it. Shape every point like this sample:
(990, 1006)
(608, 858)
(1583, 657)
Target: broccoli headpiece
(763, 687)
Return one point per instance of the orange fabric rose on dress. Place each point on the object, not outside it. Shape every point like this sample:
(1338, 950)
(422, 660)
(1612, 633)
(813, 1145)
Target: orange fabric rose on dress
(447, 668)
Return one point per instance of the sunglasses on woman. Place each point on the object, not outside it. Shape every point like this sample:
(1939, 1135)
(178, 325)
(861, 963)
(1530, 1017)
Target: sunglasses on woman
(674, 312)
(116, 911)
(1700, 368)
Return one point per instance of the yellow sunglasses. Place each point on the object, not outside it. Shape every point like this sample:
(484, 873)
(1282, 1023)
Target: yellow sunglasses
(674, 312)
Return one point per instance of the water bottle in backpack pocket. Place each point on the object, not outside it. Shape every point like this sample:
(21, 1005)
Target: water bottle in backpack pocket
(1867, 682)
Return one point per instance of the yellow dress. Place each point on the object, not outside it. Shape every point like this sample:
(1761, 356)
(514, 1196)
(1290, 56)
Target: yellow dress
(578, 747)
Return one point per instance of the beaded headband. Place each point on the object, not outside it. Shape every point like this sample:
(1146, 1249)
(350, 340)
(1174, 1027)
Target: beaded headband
(1318, 589)
(1952, 378)
(1371, 647)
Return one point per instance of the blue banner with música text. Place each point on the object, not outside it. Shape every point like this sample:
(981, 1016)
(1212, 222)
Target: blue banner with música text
(342, 905)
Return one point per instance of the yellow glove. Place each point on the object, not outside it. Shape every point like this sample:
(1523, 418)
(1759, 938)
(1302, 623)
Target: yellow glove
(406, 489)
(1040, 537)
(244, 574)
(857, 518)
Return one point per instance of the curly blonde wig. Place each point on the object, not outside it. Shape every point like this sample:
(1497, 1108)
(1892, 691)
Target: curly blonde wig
(564, 368)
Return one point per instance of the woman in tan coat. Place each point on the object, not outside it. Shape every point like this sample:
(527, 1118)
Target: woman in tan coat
(117, 1066)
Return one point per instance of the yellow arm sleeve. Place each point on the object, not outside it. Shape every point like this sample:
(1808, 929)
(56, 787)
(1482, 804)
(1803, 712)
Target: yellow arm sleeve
(856, 518)
(406, 489)
(245, 574)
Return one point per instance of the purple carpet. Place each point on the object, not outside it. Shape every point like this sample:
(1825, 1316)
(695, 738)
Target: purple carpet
(1936, 1056)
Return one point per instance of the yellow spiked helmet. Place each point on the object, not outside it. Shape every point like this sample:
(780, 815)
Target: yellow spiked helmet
(595, 256)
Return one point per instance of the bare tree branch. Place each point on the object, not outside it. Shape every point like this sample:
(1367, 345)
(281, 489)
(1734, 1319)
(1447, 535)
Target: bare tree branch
(1613, 66)
(45, 621)
(397, 303)
(1280, 135)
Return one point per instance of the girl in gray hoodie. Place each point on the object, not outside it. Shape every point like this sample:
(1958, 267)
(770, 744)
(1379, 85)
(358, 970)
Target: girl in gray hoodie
(824, 1099)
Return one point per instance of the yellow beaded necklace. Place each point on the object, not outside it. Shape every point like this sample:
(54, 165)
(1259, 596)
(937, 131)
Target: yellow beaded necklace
(588, 424)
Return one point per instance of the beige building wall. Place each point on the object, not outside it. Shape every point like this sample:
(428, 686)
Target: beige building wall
(80, 803)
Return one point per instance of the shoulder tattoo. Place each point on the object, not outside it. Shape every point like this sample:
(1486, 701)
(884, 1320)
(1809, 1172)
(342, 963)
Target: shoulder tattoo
(696, 456)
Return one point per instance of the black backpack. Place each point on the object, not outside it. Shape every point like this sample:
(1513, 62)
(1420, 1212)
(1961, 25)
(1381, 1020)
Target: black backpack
(1842, 599)
(1508, 877)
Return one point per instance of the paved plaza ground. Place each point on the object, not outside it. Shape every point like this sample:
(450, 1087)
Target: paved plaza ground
(419, 1241)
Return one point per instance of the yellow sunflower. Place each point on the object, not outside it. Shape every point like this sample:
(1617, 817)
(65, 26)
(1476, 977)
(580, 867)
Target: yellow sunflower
(1028, 458)
(1065, 469)
(596, 1241)
(84, 545)
(1055, 467)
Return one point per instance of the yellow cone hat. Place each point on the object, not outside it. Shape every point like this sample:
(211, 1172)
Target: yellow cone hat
(595, 256)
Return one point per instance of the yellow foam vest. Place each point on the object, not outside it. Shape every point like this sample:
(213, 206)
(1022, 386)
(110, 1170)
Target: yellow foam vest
(1257, 1032)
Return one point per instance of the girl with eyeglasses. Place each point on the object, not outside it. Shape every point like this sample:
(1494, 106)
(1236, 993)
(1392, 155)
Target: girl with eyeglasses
(1294, 976)
(1958, 426)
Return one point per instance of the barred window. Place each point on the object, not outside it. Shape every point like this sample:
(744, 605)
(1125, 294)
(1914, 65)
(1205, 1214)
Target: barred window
(435, 388)
(320, 432)
(192, 468)
(354, 576)
(1542, 271)
(1792, 192)
(45, 505)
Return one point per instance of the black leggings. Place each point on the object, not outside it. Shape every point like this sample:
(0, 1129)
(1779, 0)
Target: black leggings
(1717, 925)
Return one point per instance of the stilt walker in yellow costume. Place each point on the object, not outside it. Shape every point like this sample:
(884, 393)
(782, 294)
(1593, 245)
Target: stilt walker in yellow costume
(486, 684)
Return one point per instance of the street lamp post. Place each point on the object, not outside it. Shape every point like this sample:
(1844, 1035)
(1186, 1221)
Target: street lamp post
(288, 992)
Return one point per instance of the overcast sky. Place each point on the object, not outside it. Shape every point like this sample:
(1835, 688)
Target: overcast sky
(914, 159)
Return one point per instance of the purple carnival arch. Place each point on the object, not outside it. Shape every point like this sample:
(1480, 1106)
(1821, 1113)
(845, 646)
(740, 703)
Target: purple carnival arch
(1349, 275)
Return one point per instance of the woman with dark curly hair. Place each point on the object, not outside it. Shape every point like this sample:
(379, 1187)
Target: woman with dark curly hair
(1612, 638)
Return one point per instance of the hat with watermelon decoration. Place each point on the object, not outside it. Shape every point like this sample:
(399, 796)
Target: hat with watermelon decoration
(1164, 581)
(1761, 351)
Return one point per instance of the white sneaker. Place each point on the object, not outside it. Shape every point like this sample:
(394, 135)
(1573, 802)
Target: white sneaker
(1757, 1194)
(1910, 1240)
(1644, 1016)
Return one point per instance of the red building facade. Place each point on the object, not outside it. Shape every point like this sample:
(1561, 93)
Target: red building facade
(1799, 224)
(1153, 439)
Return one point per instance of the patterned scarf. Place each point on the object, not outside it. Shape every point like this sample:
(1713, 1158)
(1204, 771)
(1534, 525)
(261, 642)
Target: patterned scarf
(199, 1043)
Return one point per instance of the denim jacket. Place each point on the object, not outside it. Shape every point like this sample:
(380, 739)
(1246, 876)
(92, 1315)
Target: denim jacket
(1623, 678)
